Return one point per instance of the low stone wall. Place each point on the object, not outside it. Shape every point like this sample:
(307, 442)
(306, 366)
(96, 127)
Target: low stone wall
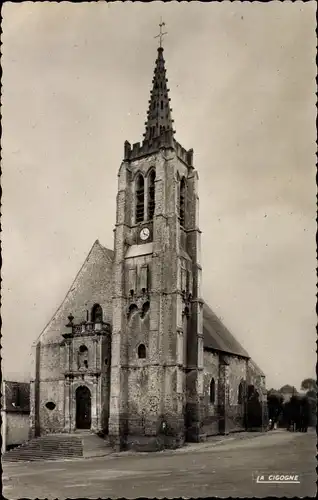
(17, 428)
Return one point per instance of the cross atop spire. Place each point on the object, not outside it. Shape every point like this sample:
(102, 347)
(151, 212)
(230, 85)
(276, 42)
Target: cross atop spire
(161, 34)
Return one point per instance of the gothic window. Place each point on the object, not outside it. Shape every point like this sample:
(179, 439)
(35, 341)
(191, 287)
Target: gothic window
(140, 198)
(240, 398)
(212, 391)
(151, 194)
(182, 201)
(132, 309)
(161, 103)
(97, 314)
(145, 309)
(141, 351)
(250, 391)
(82, 359)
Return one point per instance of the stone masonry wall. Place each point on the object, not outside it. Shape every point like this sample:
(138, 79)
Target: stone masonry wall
(226, 396)
(210, 410)
(92, 285)
(237, 370)
(17, 428)
(51, 421)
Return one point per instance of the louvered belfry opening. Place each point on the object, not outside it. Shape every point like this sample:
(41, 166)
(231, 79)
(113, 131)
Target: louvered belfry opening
(140, 198)
(159, 112)
(151, 194)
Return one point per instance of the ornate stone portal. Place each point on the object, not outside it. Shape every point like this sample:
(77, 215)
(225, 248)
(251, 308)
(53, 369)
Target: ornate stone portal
(84, 350)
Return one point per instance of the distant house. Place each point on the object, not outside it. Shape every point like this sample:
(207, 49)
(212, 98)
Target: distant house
(15, 413)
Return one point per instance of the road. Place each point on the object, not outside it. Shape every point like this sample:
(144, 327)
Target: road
(223, 468)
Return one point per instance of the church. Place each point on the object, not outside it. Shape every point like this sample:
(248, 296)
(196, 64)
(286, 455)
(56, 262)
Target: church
(134, 353)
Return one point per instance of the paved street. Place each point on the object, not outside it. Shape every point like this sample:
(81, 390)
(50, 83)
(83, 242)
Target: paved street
(221, 468)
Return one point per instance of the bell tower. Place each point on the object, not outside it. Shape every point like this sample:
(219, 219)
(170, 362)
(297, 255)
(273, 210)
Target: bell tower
(157, 330)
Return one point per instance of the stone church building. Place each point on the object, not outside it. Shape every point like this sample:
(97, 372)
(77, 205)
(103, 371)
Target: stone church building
(133, 351)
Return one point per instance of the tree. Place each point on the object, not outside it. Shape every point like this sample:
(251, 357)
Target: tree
(309, 384)
(311, 394)
(274, 404)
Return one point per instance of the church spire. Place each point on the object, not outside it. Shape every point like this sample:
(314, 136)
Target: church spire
(159, 113)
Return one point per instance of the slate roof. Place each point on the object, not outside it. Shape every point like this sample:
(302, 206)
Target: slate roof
(16, 397)
(216, 336)
(257, 368)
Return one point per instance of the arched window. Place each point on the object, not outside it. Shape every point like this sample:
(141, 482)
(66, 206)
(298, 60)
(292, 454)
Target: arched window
(97, 314)
(212, 391)
(182, 201)
(141, 351)
(140, 198)
(145, 309)
(82, 359)
(241, 394)
(132, 309)
(250, 391)
(186, 312)
(151, 194)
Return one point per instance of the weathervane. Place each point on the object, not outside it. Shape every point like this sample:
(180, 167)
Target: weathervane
(161, 35)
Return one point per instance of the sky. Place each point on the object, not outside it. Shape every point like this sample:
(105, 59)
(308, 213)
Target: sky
(76, 83)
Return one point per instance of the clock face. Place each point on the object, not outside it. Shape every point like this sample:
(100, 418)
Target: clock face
(144, 234)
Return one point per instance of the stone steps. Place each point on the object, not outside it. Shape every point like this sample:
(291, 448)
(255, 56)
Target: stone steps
(59, 446)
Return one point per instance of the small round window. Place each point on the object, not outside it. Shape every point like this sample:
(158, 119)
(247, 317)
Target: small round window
(50, 405)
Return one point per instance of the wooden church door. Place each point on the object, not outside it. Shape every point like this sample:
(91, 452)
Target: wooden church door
(83, 408)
